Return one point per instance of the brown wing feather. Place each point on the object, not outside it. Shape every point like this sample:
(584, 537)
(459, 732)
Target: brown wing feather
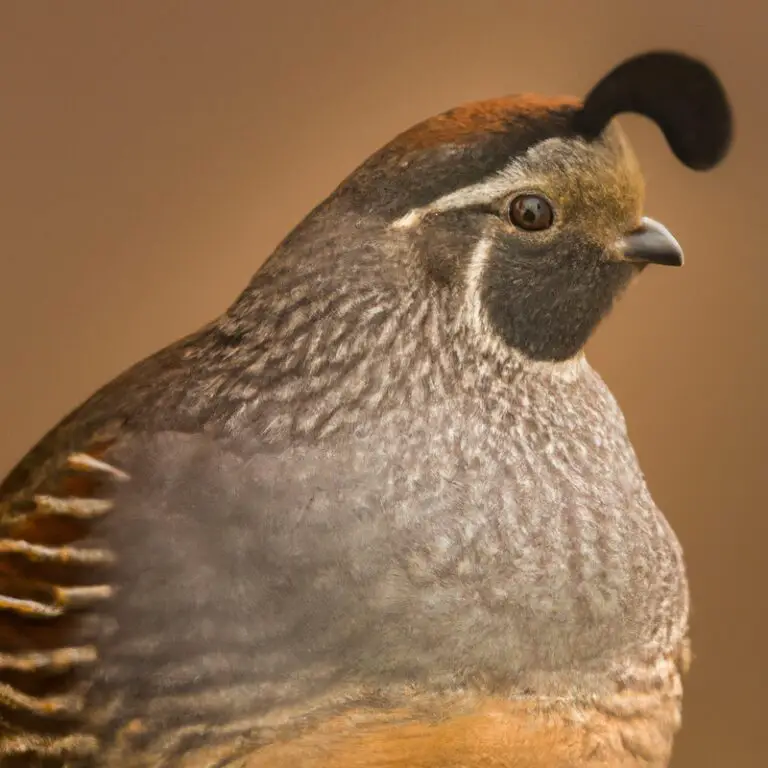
(54, 579)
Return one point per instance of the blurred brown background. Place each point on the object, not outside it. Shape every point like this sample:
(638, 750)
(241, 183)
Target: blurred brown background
(153, 153)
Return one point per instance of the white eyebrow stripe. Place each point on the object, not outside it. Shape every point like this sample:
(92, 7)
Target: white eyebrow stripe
(516, 173)
(482, 192)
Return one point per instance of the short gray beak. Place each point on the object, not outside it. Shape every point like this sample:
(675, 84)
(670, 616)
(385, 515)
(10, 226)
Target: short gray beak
(651, 243)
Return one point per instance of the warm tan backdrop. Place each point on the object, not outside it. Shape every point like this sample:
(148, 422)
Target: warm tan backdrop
(152, 154)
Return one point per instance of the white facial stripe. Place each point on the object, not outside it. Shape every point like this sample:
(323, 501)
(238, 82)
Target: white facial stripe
(474, 281)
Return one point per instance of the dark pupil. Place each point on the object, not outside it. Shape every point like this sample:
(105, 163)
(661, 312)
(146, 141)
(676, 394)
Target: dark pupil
(532, 212)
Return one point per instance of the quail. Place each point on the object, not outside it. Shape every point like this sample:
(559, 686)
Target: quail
(381, 512)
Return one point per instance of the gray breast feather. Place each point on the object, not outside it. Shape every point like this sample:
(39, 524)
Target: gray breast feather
(399, 553)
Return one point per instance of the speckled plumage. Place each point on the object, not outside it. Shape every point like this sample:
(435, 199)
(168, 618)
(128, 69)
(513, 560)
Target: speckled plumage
(365, 488)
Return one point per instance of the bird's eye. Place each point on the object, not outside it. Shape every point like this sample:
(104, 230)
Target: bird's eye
(531, 212)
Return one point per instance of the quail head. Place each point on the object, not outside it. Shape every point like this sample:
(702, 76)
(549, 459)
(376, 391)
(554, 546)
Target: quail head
(381, 512)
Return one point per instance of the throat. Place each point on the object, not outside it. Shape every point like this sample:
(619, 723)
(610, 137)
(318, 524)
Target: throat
(546, 310)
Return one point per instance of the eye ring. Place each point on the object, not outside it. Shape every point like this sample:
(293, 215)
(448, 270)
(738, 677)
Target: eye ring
(531, 212)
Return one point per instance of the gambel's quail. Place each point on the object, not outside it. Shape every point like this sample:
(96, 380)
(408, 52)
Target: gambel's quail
(381, 512)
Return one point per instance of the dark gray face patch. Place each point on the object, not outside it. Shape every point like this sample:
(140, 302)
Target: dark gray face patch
(545, 301)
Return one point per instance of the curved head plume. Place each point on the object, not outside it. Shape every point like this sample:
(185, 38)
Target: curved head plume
(682, 95)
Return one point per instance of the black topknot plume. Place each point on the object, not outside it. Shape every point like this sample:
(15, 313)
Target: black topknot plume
(682, 95)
